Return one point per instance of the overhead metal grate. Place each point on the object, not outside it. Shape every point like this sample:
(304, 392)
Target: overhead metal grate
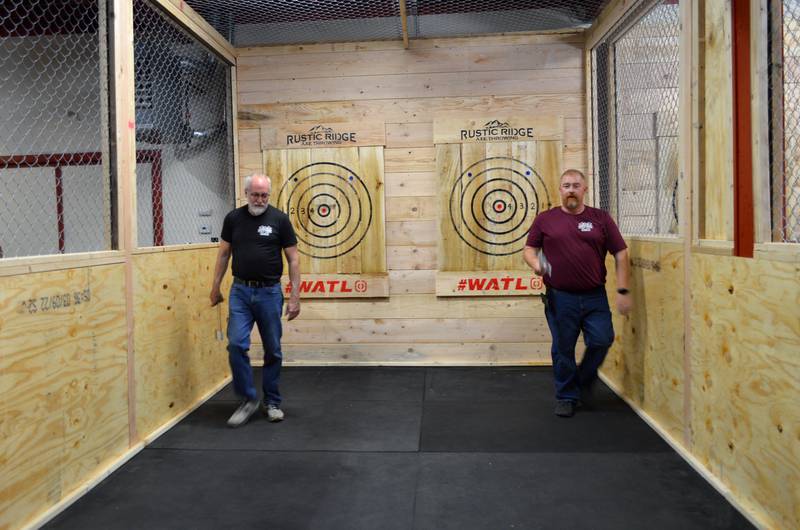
(270, 22)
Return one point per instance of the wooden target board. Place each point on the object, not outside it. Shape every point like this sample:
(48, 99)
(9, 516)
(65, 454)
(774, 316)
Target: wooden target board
(489, 194)
(334, 199)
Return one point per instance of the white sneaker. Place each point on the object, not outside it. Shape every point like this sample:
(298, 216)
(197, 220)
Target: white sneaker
(243, 413)
(274, 413)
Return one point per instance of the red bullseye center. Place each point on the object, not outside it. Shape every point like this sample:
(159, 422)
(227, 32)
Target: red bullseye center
(499, 206)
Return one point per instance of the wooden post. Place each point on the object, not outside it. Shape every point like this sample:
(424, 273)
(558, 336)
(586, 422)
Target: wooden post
(123, 80)
(404, 23)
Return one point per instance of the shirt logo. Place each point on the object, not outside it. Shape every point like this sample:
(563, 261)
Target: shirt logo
(264, 230)
(585, 226)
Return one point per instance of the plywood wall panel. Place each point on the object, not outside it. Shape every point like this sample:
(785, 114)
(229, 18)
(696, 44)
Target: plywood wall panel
(746, 379)
(178, 354)
(63, 384)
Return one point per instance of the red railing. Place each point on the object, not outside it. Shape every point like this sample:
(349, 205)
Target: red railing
(59, 160)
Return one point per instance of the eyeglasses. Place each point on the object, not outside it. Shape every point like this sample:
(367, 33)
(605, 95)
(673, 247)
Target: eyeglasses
(255, 195)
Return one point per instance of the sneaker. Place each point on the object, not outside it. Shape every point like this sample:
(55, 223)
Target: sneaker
(243, 413)
(273, 412)
(565, 408)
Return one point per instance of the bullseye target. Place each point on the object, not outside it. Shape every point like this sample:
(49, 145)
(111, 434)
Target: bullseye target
(493, 203)
(330, 208)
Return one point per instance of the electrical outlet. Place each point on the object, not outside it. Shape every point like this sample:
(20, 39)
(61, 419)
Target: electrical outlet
(219, 335)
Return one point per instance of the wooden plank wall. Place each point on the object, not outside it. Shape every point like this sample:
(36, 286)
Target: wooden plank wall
(728, 396)
(540, 75)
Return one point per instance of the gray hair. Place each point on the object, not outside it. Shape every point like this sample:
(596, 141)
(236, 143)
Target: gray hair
(248, 180)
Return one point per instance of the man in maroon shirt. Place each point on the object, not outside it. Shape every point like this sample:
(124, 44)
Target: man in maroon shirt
(567, 245)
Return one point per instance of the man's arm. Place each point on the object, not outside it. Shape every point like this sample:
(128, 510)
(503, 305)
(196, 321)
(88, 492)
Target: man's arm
(293, 259)
(622, 264)
(223, 256)
(531, 257)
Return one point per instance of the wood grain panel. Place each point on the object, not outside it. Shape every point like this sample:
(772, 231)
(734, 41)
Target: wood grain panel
(647, 357)
(457, 353)
(416, 233)
(399, 135)
(746, 379)
(411, 281)
(566, 37)
(178, 354)
(411, 330)
(414, 61)
(717, 132)
(414, 258)
(414, 183)
(415, 159)
(423, 208)
(409, 109)
(504, 82)
(63, 384)
(422, 306)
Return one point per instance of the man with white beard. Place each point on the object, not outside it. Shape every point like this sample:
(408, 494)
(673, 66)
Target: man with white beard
(255, 235)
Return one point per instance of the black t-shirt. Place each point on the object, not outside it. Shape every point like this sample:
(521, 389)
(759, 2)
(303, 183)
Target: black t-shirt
(257, 241)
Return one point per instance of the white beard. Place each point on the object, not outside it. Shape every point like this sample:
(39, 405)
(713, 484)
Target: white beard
(256, 210)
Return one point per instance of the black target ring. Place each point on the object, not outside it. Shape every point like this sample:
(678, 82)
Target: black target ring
(309, 206)
(474, 215)
(499, 207)
(299, 212)
(338, 188)
(466, 200)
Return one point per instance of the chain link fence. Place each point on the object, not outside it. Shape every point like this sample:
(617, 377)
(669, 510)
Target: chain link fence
(266, 22)
(184, 137)
(635, 120)
(785, 119)
(55, 193)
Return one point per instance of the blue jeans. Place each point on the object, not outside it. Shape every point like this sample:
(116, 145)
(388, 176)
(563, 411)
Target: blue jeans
(567, 315)
(262, 306)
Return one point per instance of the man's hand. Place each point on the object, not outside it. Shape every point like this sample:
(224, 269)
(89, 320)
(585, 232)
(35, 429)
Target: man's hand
(624, 303)
(215, 296)
(293, 307)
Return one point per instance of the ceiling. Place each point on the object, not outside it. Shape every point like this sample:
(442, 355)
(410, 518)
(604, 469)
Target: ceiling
(270, 22)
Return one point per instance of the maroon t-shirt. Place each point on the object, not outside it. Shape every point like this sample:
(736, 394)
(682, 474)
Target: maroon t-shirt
(576, 246)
